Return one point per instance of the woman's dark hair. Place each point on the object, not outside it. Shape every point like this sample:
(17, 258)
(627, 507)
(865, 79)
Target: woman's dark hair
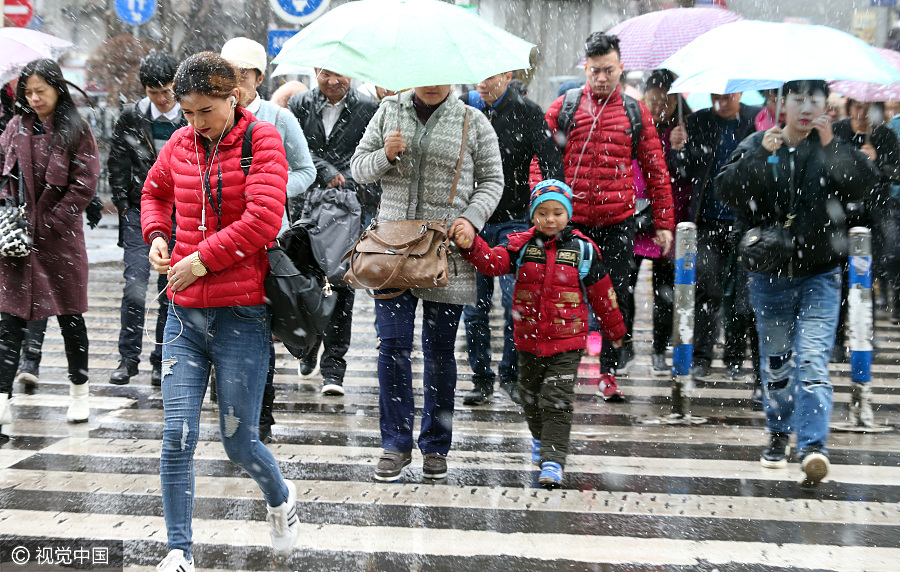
(206, 73)
(879, 105)
(158, 69)
(806, 87)
(662, 79)
(600, 44)
(68, 125)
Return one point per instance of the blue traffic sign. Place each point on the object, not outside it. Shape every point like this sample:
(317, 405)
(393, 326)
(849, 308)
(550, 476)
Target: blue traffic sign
(299, 11)
(135, 11)
(277, 38)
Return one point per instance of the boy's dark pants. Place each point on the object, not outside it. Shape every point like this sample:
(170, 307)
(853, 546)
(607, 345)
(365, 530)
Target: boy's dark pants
(547, 385)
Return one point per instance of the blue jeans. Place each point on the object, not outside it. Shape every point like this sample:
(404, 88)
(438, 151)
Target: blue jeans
(137, 273)
(477, 317)
(396, 317)
(796, 319)
(236, 340)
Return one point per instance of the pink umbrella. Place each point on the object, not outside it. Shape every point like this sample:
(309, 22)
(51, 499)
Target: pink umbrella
(648, 40)
(862, 91)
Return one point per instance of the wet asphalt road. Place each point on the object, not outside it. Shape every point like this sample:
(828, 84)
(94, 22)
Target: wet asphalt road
(639, 494)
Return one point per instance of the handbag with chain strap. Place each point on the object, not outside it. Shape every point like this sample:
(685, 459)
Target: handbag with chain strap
(399, 255)
(15, 242)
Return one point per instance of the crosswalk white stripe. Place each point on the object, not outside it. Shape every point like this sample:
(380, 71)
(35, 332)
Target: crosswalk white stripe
(620, 550)
(479, 498)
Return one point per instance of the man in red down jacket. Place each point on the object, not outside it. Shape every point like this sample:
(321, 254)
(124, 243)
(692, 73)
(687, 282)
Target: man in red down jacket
(597, 157)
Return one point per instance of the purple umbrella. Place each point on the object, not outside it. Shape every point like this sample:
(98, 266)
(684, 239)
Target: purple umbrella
(648, 40)
(863, 91)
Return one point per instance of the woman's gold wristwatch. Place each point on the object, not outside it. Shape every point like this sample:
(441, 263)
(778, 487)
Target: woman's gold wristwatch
(197, 266)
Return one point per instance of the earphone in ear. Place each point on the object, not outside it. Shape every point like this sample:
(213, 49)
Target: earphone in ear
(233, 101)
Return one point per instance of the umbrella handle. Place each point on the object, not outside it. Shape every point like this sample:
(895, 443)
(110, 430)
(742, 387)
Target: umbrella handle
(773, 159)
(680, 110)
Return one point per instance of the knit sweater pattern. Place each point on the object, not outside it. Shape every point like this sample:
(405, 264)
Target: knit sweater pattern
(417, 185)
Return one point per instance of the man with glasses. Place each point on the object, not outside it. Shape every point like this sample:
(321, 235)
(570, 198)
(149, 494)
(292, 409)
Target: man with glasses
(605, 135)
(141, 132)
(702, 147)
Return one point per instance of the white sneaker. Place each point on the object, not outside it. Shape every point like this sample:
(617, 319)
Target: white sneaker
(284, 526)
(175, 562)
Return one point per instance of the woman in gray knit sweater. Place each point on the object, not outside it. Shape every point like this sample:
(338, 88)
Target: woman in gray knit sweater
(412, 145)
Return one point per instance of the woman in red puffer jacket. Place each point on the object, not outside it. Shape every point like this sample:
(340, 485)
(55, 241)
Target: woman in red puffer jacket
(217, 316)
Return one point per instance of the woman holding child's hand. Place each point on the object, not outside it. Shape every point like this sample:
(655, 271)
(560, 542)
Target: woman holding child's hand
(412, 145)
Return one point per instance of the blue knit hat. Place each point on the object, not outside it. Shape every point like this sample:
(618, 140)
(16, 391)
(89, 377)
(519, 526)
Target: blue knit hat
(551, 190)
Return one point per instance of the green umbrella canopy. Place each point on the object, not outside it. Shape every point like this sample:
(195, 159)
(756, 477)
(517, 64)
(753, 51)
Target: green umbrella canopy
(398, 44)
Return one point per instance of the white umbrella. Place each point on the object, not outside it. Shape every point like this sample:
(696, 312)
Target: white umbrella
(19, 46)
(751, 54)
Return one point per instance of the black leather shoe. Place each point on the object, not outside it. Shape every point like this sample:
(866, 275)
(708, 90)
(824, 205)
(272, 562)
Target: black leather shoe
(123, 374)
(478, 396)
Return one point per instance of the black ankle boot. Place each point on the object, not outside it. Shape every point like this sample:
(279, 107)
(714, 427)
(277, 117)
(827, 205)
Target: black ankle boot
(122, 375)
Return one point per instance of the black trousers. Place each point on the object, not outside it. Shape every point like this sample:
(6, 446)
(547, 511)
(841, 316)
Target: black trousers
(336, 338)
(12, 333)
(547, 386)
(616, 243)
(663, 300)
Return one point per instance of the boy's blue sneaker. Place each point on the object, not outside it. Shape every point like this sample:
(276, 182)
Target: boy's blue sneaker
(551, 475)
(536, 452)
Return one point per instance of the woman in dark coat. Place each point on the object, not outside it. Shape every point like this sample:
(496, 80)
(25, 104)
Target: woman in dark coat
(877, 211)
(58, 161)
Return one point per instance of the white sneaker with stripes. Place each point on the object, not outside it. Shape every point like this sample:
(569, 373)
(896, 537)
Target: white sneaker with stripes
(175, 562)
(284, 526)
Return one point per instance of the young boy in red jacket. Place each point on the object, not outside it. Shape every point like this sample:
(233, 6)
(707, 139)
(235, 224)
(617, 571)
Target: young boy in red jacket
(555, 267)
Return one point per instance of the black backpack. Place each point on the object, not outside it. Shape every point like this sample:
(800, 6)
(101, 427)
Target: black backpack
(298, 293)
(572, 100)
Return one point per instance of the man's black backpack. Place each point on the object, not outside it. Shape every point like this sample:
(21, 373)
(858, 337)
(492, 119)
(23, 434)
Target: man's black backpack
(572, 100)
(297, 291)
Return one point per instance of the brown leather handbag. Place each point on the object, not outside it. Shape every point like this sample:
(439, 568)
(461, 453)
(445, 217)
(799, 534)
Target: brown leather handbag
(404, 254)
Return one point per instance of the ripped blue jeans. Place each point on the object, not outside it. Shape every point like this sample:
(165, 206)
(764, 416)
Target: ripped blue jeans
(797, 318)
(236, 340)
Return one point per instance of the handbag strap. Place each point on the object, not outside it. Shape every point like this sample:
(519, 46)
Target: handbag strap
(459, 162)
(15, 174)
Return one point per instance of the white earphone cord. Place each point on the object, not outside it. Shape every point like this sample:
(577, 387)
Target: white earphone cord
(202, 224)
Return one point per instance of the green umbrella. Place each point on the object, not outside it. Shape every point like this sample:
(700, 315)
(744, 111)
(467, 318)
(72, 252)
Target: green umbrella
(398, 44)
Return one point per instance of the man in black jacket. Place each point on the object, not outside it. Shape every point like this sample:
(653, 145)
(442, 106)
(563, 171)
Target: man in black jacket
(334, 117)
(701, 148)
(523, 134)
(141, 131)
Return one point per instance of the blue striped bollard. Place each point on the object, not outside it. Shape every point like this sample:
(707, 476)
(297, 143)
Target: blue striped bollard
(683, 322)
(859, 313)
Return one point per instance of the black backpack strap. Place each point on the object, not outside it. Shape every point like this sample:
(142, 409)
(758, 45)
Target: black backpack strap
(247, 149)
(567, 112)
(633, 110)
